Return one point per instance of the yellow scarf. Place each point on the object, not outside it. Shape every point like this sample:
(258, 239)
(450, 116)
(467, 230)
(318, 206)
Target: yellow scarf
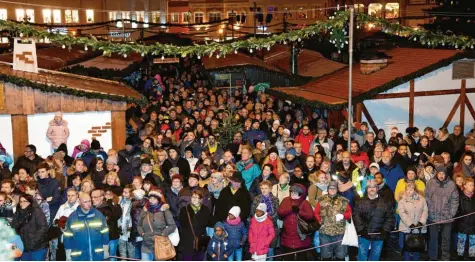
(212, 149)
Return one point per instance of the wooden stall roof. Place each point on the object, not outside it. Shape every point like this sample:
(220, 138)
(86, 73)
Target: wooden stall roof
(235, 60)
(331, 91)
(310, 63)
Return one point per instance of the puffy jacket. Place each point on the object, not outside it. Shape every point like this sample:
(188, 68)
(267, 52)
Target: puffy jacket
(31, 225)
(133, 159)
(219, 246)
(86, 234)
(466, 225)
(58, 133)
(112, 213)
(49, 187)
(392, 173)
(249, 171)
(290, 236)
(412, 210)
(305, 141)
(260, 236)
(273, 216)
(237, 234)
(373, 216)
(442, 199)
(162, 223)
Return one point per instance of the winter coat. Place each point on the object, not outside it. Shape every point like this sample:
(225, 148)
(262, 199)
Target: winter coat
(392, 173)
(162, 223)
(237, 235)
(279, 193)
(173, 200)
(249, 171)
(30, 223)
(227, 200)
(456, 146)
(112, 213)
(31, 165)
(86, 234)
(183, 169)
(326, 210)
(290, 236)
(373, 216)
(185, 197)
(135, 212)
(97, 178)
(274, 217)
(401, 187)
(65, 210)
(199, 220)
(49, 187)
(305, 141)
(57, 133)
(466, 225)
(219, 246)
(256, 184)
(360, 156)
(412, 210)
(442, 199)
(133, 159)
(327, 145)
(261, 235)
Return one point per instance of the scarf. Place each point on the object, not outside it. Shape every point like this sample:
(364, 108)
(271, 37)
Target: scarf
(154, 208)
(176, 190)
(468, 170)
(195, 208)
(174, 161)
(468, 195)
(215, 189)
(211, 148)
(235, 185)
(322, 186)
(268, 201)
(147, 151)
(283, 187)
(261, 219)
(234, 221)
(380, 186)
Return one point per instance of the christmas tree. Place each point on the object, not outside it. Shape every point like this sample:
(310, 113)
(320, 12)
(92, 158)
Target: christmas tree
(228, 128)
(453, 17)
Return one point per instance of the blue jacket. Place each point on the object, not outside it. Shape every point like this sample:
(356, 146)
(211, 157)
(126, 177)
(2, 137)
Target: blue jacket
(86, 234)
(219, 246)
(392, 173)
(237, 235)
(249, 171)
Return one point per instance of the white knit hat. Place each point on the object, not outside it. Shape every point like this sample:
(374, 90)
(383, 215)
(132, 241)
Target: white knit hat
(139, 194)
(262, 207)
(235, 211)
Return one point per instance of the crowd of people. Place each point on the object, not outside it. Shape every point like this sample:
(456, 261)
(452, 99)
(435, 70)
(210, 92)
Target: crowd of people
(251, 198)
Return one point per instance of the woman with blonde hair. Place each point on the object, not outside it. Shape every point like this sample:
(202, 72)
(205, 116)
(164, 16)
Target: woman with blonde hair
(112, 182)
(87, 186)
(79, 168)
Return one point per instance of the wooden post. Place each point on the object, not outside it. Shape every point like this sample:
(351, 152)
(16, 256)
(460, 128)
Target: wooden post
(20, 134)
(358, 112)
(118, 129)
(462, 104)
(370, 119)
(411, 103)
(452, 113)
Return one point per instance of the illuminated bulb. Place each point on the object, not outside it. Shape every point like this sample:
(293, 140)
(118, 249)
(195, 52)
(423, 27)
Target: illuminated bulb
(21, 34)
(64, 47)
(300, 39)
(217, 56)
(334, 177)
(415, 38)
(285, 42)
(357, 27)
(143, 54)
(268, 48)
(85, 47)
(125, 55)
(199, 57)
(250, 50)
(163, 58)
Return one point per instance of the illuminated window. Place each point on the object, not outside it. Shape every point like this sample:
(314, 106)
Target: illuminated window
(72, 16)
(145, 19)
(5, 40)
(359, 8)
(199, 17)
(214, 16)
(140, 16)
(391, 10)
(133, 16)
(111, 16)
(126, 15)
(155, 17)
(301, 13)
(3, 14)
(57, 16)
(90, 16)
(20, 15)
(174, 18)
(375, 9)
(186, 17)
(30, 15)
(47, 16)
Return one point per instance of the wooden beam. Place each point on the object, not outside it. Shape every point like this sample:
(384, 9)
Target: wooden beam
(358, 112)
(452, 112)
(462, 103)
(469, 106)
(118, 129)
(19, 134)
(369, 118)
(411, 103)
(423, 93)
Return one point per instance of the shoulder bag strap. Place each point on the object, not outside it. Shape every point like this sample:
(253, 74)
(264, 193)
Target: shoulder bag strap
(149, 223)
(189, 220)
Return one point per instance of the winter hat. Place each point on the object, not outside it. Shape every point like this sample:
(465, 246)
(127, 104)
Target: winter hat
(297, 189)
(411, 130)
(237, 177)
(333, 184)
(95, 145)
(440, 169)
(188, 149)
(236, 211)
(139, 194)
(156, 194)
(438, 159)
(86, 143)
(273, 150)
(374, 165)
(177, 176)
(195, 176)
(262, 207)
(174, 148)
(291, 151)
(429, 164)
(129, 141)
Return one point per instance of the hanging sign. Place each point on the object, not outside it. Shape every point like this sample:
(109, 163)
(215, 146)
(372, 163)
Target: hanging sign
(166, 60)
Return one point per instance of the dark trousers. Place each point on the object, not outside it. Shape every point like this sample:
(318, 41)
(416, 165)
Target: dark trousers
(434, 240)
(300, 256)
(195, 256)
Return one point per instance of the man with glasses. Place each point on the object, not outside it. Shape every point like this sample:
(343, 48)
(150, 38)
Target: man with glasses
(86, 236)
(323, 141)
(30, 160)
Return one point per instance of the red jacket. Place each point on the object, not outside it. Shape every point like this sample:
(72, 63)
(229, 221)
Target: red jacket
(305, 140)
(290, 237)
(360, 156)
(261, 235)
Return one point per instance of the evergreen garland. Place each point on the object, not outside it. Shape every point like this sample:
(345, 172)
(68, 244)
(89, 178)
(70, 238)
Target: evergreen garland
(107, 73)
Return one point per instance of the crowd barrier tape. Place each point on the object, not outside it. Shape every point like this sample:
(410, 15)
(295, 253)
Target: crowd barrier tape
(331, 243)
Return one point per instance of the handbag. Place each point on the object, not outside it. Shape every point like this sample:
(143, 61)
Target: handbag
(199, 242)
(414, 242)
(162, 246)
(307, 227)
(350, 238)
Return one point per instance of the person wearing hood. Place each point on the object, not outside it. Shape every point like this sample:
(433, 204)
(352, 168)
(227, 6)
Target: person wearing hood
(30, 223)
(291, 161)
(411, 177)
(374, 219)
(235, 194)
(266, 175)
(215, 186)
(175, 160)
(305, 138)
(30, 160)
(465, 227)
(112, 213)
(218, 247)
(146, 173)
(292, 240)
(157, 220)
(443, 201)
(49, 189)
(58, 131)
(261, 233)
(332, 211)
(247, 167)
(80, 149)
(299, 177)
(67, 159)
(237, 233)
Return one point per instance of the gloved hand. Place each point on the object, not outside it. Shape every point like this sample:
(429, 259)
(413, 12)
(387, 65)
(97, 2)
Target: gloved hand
(412, 226)
(339, 217)
(295, 209)
(420, 224)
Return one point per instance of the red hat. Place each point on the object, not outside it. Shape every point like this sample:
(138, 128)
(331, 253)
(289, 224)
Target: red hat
(177, 176)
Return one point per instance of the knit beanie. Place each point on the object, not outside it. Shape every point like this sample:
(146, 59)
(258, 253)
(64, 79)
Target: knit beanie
(139, 194)
(235, 211)
(291, 151)
(262, 207)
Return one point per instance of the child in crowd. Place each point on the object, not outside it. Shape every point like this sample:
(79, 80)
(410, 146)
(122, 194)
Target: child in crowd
(237, 233)
(218, 247)
(261, 233)
(126, 247)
